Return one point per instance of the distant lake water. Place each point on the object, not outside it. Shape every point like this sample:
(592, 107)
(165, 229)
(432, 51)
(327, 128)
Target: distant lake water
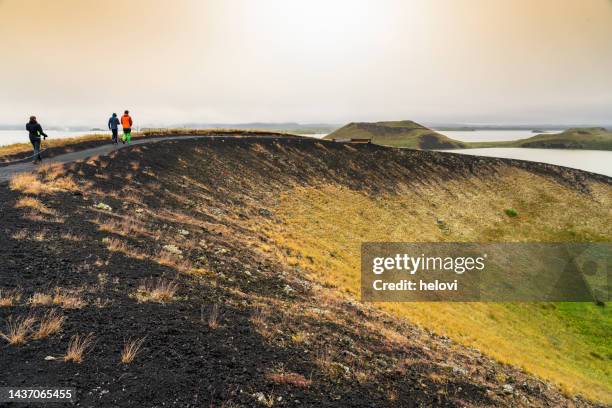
(595, 161)
(8, 137)
(490, 135)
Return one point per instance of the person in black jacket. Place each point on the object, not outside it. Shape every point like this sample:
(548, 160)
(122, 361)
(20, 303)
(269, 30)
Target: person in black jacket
(35, 131)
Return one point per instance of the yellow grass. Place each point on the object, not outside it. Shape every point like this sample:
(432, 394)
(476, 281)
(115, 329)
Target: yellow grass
(156, 290)
(131, 349)
(322, 231)
(34, 204)
(18, 329)
(9, 298)
(40, 299)
(50, 324)
(289, 378)
(67, 300)
(77, 347)
(60, 298)
(30, 183)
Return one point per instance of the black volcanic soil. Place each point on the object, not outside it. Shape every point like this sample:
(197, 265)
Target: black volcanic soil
(273, 320)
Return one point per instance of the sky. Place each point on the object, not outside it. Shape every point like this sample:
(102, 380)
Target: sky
(73, 62)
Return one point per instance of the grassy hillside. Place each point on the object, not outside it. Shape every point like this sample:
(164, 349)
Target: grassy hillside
(583, 138)
(404, 133)
(322, 229)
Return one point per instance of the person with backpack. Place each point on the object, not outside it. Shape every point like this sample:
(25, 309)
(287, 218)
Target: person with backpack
(35, 131)
(126, 123)
(113, 125)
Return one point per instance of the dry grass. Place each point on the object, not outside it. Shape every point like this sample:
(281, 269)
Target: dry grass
(259, 321)
(131, 349)
(9, 298)
(29, 183)
(116, 245)
(67, 300)
(40, 236)
(18, 329)
(20, 235)
(51, 323)
(26, 183)
(125, 227)
(173, 261)
(289, 378)
(77, 347)
(156, 290)
(60, 298)
(40, 299)
(213, 318)
(34, 204)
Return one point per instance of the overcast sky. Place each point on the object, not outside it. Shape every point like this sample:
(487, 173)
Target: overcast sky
(471, 61)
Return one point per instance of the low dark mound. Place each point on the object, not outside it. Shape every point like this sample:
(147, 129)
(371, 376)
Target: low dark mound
(280, 339)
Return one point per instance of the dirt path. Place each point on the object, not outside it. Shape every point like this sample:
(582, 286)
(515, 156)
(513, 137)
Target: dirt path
(8, 171)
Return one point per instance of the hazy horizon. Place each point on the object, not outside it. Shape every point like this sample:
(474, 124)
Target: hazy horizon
(471, 62)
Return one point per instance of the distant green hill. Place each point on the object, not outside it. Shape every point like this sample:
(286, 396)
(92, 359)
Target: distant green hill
(405, 133)
(582, 138)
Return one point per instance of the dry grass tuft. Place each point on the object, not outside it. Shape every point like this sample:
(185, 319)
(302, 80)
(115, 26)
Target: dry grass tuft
(288, 378)
(9, 298)
(34, 204)
(158, 290)
(40, 299)
(173, 261)
(131, 349)
(259, 321)
(77, 347)
(213, 318)
(50, 324)
(59, 298)
(125, 227)
(20, 235)
(116, 245)
(29, 183)
(18, 329)
(26, 183)
(67, 300)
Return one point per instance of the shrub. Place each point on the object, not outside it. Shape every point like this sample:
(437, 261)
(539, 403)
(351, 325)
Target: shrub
(511, 212)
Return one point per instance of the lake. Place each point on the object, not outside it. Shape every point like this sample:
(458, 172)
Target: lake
(8, 137)
(595, 161)
(490, 135)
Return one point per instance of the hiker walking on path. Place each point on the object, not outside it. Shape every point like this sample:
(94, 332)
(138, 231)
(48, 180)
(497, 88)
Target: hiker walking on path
(126, 123)
(35, 131)
(113, 125)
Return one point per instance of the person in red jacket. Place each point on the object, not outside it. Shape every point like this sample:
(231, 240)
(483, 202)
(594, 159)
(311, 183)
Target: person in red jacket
(126, 123)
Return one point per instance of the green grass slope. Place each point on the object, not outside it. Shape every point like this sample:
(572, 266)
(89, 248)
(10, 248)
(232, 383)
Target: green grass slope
(577, 138)
(405, 133)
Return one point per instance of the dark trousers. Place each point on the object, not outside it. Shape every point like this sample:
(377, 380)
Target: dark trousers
(115, 134)
(36, 147)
